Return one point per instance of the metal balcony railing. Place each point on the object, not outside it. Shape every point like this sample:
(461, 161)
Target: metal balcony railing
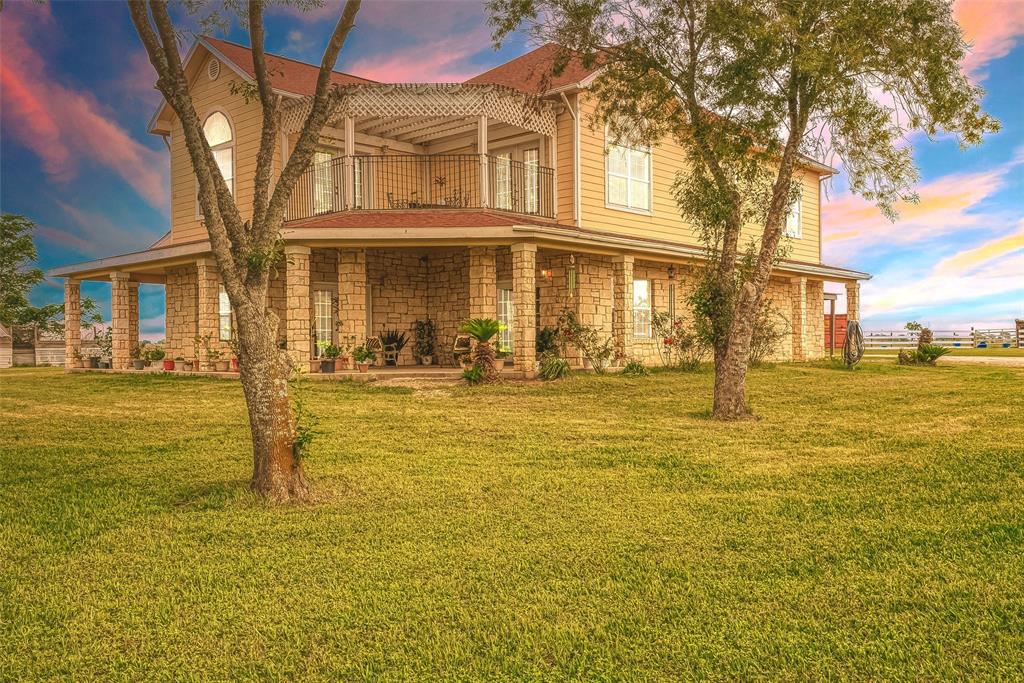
(437, 181)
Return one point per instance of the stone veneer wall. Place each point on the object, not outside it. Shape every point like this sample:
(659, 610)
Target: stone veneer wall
(398, 294)
(448, 297)
(406, 288)
(181, 292)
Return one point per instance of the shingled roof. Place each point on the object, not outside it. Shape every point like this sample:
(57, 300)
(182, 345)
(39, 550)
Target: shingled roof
(285, 74)
(532, 72)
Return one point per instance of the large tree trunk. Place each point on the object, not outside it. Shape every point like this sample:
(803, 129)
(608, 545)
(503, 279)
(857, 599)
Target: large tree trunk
(277, 467)
(730, 402)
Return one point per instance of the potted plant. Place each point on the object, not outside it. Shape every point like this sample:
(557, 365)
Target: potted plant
(236, 350)
(344, 359)
(106, 343)
(197, 341)
(168, 362)
(500, 357)
(426, 340)
(138, 356)
(393, 342)
(180, 363)
(328, 353)
(363, 357)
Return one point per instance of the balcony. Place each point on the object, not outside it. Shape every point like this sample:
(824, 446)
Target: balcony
(423, 182)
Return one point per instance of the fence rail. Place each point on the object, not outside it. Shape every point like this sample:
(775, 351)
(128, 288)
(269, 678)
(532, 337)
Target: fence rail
(430, 181)
(987, 338)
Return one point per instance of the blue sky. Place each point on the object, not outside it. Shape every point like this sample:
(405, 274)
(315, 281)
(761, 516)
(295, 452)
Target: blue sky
(75, 157)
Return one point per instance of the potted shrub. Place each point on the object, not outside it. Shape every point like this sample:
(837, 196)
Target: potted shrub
(426, 340)
(328, 354)
(236, 349)
(500, 357)
(363, 357)
(181, 364)
(393, 342)
(106, 343)
(155, 355)
(168, 364)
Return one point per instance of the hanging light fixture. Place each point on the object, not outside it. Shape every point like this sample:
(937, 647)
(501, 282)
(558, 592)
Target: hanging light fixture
(672, 271)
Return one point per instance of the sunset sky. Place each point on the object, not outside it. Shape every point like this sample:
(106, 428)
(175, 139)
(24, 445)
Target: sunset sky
(77, 93)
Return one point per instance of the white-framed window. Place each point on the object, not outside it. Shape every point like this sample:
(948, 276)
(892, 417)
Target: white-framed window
(224, 315)
(323, 317)
(323, 182)
(793, 226)
(221, 139)
(503, 180)
(531, 169)
(641, 308)
(628, 177)
(506, 316)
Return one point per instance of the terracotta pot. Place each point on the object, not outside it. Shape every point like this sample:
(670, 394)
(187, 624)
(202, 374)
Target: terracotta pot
(427, 360)
(499, 364)
(195, 365)
(363, 367)
(234, 364)
(314, 366)
(222, 365)
(168, 364)
(340, 364)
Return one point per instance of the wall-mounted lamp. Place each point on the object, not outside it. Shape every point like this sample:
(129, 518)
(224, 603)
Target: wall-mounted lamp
(546, 274)
(672, 272)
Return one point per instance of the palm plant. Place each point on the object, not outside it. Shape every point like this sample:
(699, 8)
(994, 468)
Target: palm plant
(483, 330)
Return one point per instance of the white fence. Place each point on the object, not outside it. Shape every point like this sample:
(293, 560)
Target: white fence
(897, 339)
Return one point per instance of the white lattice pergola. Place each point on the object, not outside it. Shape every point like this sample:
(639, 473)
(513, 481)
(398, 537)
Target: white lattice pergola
(416, 112)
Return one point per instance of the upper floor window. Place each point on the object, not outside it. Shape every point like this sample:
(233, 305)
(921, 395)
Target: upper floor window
(222, 143)
(793, 228)
(628, 176)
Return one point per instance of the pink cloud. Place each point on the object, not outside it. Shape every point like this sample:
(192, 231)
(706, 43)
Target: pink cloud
(63, 126)
(992, 26)
(851, 224)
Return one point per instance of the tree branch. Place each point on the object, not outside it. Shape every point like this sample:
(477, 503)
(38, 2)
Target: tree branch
(269, 102)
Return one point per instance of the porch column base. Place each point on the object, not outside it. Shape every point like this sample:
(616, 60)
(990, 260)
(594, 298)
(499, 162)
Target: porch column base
(297, 313)
(622, 307)
(120, 327)
(800, 341)
(853, 300)
(524, 294)
(72, 321)
(352, 296)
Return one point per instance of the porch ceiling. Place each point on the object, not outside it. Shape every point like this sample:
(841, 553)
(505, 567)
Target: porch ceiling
(410, 112)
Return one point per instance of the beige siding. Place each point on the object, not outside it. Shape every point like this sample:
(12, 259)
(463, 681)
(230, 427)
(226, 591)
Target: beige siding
(564, 171)
(663, 221)
(245, 120)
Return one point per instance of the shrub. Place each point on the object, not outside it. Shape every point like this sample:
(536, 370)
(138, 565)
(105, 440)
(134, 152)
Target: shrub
(678, 346)
(483, 330)
(426, 338)
(552, 366)
(473, 374)
(547, 340)
(768, 332)
(926, 354)
(635, 368)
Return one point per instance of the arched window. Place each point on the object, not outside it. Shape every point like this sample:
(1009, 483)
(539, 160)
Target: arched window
(222, 142)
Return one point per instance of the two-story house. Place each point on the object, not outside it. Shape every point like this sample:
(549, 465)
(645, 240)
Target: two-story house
(490, 198)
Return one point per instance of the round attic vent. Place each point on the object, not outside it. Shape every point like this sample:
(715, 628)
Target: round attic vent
(213, 69)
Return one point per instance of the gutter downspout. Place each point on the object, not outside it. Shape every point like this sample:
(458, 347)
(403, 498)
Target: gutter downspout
(575, 159)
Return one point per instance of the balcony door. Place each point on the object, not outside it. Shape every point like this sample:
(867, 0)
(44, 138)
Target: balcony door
(517, 178)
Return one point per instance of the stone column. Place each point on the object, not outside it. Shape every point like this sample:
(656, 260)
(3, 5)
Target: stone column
(72, 320)
(483, 286)
(524, 293)
(133, 315)
(622, 306)
(120, 327)
(208, 285)
(853, 300)
(297, 313)
(800, 342)
(352, 293)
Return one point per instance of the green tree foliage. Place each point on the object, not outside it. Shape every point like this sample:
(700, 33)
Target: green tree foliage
(18, 273)
(751, 89)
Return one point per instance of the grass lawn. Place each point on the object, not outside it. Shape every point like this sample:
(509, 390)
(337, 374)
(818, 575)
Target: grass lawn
(870, 525)
(992, 351)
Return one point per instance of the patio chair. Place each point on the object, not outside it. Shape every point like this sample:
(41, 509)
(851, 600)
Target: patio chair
(390, 352)
(396, 203)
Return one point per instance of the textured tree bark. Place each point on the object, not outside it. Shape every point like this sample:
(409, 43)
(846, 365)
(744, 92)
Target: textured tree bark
(277, 472)
(247, 251)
